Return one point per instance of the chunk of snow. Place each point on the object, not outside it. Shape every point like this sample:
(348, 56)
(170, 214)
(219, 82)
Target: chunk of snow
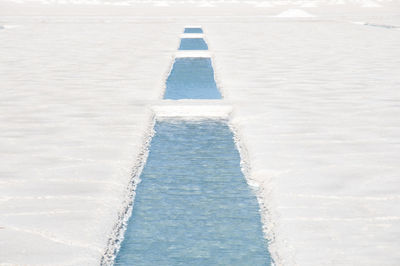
(190, 109)
(192, 53)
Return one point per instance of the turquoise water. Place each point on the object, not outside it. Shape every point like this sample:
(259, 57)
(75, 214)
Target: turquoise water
(193, 206)
(192, 78)
(193, 44)
(193, 30)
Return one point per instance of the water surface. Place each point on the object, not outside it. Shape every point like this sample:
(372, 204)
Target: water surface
(193, 44)
(192, 78)
(193, 206)
(193, 30)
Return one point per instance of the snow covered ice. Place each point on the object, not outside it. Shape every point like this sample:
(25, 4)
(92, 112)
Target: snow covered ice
(73, 119)
(311, 88)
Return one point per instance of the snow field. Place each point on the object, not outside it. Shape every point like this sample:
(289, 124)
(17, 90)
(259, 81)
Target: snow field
(316, 106)
(314, 102)
(75, 109)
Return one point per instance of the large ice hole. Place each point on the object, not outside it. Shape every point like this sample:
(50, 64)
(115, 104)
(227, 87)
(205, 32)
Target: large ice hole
(193, 44)
(193, 205)
(192, 78)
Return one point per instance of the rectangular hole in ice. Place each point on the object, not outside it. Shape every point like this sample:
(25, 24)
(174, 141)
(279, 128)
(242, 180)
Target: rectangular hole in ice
(193, 205)
(192, 78)
(193, 30)
(193, 44)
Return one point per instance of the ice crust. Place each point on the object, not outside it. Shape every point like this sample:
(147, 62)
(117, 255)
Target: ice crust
(315, 105)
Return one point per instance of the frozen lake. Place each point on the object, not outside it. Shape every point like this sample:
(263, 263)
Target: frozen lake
(315, 103)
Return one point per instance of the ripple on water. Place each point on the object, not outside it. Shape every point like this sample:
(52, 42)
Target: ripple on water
(193, 206)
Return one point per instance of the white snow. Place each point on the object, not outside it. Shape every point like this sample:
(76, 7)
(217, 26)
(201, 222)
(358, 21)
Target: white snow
(264, 4)
(193, 53)
(294, 13)
(371, 4)
(204, 3)
(161, 3)
(192, 26)
(192, 109)
(192, 35)
(315, 104)
(75, 105)
(309, 4)
(9, 26)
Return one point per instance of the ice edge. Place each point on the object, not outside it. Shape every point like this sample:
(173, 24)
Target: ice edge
(264, 209)
(117, 233)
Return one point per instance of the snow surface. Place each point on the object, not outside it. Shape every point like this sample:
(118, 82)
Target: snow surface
(192, 109)
(315, 105)
(371, 4)
(294, 13)
(192, 35)
(192, 53)
(74, 111)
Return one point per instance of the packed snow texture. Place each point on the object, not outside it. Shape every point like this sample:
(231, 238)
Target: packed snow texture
(294, 13)
(74, 110)
(315, 103)
(318, 107)
(191, 109)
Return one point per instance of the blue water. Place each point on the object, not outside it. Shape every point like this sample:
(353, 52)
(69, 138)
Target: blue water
(193, 206)
(192, 78)
(193, 44)
(193, 30)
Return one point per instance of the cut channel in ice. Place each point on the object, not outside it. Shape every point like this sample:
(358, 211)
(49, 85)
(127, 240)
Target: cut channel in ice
(193, 205)
(192, 78)
(193, 44)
